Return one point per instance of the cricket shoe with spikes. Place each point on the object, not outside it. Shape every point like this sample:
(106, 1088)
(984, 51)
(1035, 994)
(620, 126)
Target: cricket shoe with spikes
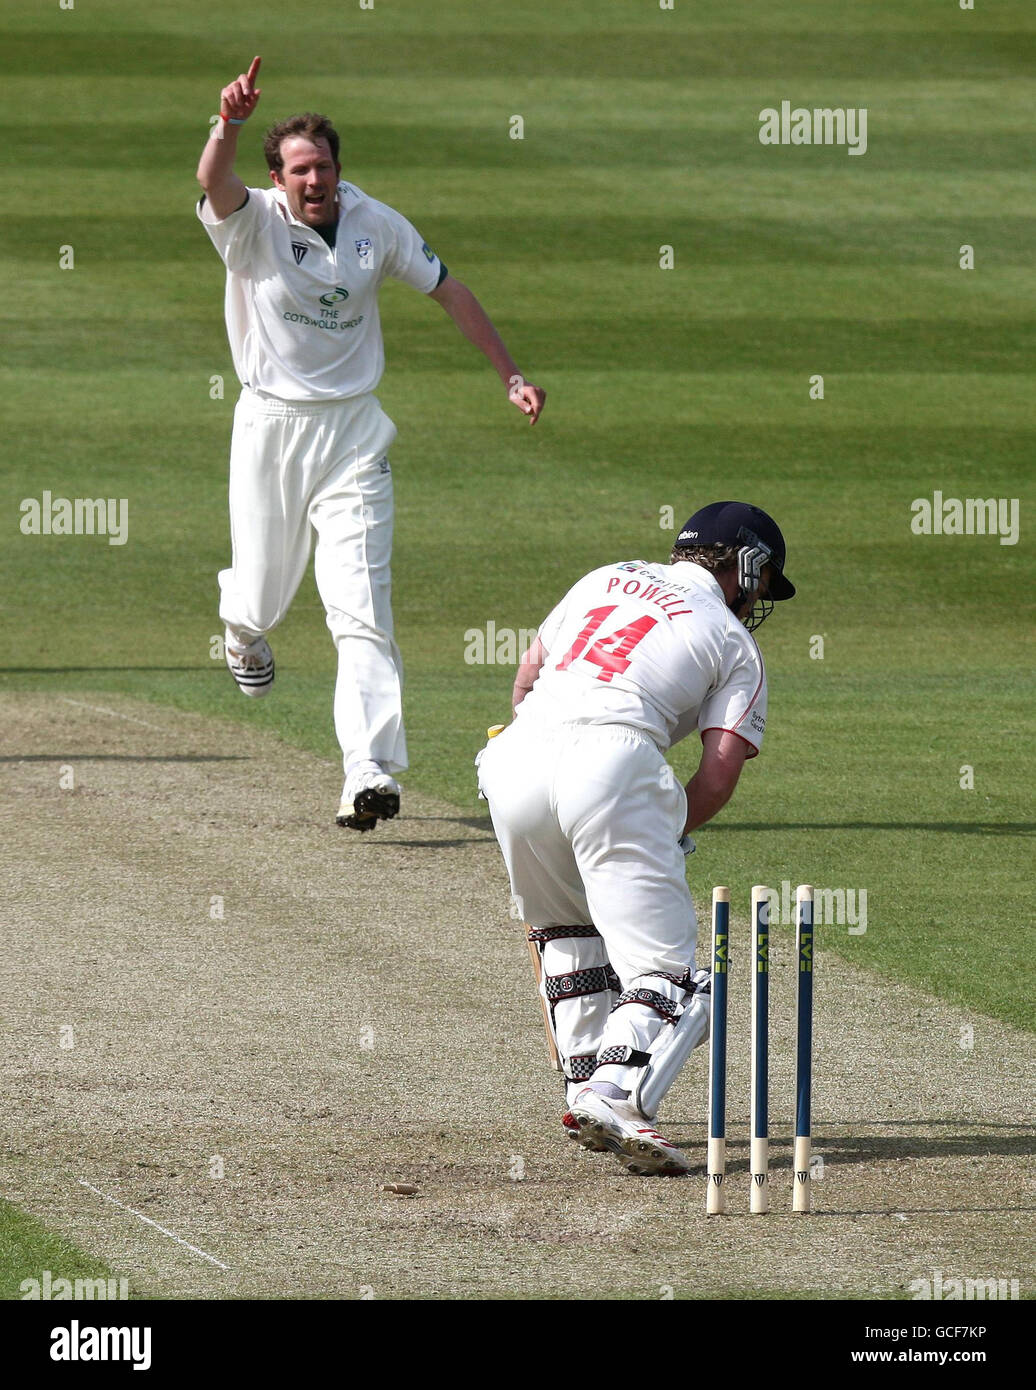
(369, 795)
(572, 1131)
(251, 666)
(619, 1127)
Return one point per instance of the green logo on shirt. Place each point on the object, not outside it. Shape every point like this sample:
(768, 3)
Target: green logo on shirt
(334, 297)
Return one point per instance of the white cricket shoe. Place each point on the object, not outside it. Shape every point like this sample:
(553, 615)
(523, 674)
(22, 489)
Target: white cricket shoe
(251, 666)
(369, 795)
(620, 1127)
(586, 1141)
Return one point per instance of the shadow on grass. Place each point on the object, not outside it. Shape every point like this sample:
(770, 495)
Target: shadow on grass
(953, 827)
(480, 823)
(81, 757)
(988, 1141)
(71, 670)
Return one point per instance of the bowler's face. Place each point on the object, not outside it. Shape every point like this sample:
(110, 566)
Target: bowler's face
(309, 178)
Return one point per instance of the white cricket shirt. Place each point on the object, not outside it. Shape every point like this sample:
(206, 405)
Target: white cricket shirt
(654, 647)
(302, 318)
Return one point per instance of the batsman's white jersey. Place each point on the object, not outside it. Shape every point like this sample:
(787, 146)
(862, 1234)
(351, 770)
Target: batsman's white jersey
(654, 647)
(588, 813)
(309, 450)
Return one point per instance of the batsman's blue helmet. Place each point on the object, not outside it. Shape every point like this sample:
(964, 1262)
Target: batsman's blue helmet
(741, 524)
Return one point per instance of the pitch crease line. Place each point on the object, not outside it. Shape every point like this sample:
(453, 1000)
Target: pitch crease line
(99, 709)
(179, 1240)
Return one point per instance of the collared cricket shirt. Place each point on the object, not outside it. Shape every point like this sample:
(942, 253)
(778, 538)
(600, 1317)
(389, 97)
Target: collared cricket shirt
(302, 317)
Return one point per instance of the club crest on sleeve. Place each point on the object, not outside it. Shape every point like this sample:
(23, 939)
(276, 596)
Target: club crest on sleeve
(429, 254)
(298, 250)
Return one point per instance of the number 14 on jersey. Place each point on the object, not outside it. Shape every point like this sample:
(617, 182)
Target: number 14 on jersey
(612, 652)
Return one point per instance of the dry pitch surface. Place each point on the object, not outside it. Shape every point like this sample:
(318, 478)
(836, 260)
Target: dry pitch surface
(362, 1014)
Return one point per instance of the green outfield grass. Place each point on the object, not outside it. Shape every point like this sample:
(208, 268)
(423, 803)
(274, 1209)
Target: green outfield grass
(667, 389)
(28, 1250)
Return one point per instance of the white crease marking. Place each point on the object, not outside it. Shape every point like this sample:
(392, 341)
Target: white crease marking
(99, 709)
(157, 1227)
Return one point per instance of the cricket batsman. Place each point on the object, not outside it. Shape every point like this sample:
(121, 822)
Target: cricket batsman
(305, 259)
(590, 817)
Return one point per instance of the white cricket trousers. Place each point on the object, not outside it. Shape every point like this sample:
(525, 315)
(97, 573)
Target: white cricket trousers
(304, 468)
(588, 818)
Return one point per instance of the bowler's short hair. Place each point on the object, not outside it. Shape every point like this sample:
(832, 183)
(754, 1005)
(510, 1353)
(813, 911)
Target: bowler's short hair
(310, 125)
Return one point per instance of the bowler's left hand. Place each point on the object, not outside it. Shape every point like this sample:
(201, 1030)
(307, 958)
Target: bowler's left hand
(528, 398)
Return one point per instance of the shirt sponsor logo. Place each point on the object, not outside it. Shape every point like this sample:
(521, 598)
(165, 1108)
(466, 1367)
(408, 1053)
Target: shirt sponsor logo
(334, 296)
(298, 250)
(429, 254)
(330, 324)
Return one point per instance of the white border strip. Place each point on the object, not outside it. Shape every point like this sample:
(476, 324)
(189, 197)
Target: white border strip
(157, 1227)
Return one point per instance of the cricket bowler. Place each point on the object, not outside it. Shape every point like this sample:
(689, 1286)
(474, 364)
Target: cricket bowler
(305, 259)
